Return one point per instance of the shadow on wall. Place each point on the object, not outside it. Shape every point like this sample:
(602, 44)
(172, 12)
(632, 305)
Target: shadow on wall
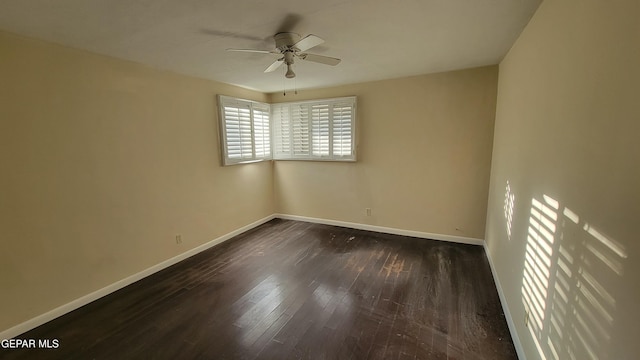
(569, 309)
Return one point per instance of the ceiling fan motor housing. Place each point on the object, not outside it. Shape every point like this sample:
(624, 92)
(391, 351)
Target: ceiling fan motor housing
(285, 40)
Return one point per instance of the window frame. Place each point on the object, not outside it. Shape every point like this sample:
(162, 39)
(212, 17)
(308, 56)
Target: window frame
(229, 101)
(288, 107)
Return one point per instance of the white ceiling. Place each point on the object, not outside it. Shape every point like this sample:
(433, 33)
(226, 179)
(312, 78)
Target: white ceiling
(376, 39)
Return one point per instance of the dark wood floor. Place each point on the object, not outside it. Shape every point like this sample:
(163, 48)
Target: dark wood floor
(296, 290)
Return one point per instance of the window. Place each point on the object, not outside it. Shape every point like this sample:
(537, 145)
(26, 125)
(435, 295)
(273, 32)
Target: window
(306, 130)
(245, 130)
(315, 130)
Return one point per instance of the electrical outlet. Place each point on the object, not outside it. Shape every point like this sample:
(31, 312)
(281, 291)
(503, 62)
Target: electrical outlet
(178, 239)
(368, 211)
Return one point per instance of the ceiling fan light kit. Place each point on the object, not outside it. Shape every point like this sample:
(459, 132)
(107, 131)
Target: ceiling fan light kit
(290, 46)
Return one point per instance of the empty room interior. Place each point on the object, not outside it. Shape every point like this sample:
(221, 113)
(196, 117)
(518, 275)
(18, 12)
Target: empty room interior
(417, 180)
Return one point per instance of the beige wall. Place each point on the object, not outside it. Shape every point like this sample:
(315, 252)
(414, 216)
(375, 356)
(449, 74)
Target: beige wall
(106, 161)
(423, 156)
(566, 141)
(103, 163)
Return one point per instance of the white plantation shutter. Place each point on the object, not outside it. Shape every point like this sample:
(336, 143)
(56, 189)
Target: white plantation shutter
(299, 130)
(237, 121)
(281, 121)
(261, 134)
(342, 129)
(315, 130)
(320, 129)
(245, 130)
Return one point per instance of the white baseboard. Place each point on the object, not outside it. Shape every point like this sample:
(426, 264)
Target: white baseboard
(75, 304)
(505, 308)
(382, 229)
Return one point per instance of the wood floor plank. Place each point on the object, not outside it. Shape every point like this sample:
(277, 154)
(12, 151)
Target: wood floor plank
(296, 290)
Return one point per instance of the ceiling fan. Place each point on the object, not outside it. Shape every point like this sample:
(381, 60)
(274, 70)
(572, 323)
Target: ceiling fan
(290, 46)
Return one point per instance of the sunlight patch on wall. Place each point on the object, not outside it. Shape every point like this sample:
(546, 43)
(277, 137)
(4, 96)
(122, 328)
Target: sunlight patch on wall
(538, 260)
(509, 199)
(564, 289)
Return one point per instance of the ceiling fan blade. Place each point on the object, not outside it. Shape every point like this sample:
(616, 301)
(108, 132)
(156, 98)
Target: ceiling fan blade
(308, 42)
(256, 51)
(276, 64)
(320, 59)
